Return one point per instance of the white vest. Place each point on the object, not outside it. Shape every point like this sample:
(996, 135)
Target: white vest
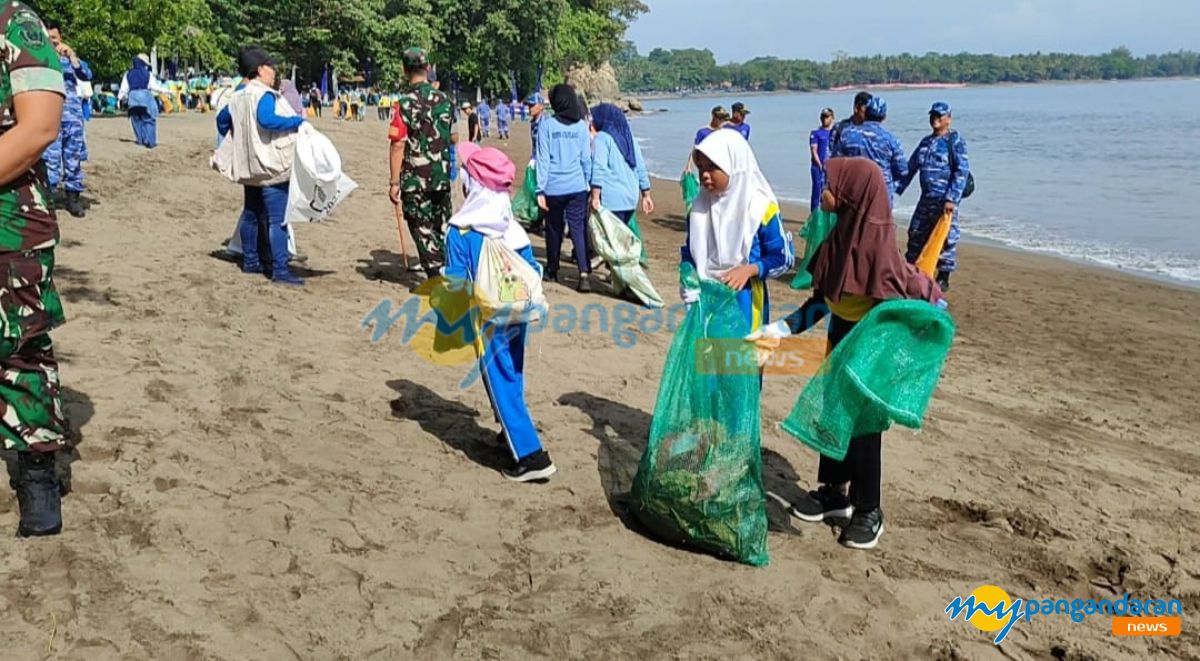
(260, 157)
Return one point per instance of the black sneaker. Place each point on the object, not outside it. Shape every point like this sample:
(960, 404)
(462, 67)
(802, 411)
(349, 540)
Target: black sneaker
(827, 502)
(535, 467)
(74, 205)
(864, 530)
(943, 280)
(585, 284)
(550, 277)
(38, 495)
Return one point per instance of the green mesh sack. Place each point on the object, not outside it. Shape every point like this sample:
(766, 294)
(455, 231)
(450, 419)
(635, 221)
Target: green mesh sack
(816, 228)
(689, 185)
(524, 203)
(637, 231)
(884, 371)
(699, 482)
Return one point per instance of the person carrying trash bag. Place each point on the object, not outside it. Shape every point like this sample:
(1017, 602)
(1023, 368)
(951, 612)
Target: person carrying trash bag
(620, 182)
(856, 267)
(700, 479)
(502, 303)
(621, 248)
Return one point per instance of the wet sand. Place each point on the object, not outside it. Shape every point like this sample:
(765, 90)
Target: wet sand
(261, 481)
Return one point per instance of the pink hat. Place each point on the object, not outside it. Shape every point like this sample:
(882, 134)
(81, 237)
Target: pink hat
(466, 150)
(491, 168)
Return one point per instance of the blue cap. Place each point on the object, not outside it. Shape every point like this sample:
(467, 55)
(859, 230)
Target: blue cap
(876, 108)
(941, 109)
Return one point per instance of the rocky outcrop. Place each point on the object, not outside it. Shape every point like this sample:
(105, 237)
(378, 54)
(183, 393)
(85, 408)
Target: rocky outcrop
(599, 85)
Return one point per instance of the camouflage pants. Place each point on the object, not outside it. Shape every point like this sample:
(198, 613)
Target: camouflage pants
(31, 416)
(64, 156)
(427, 214)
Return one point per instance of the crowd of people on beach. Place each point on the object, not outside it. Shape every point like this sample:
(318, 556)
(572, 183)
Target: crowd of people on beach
(583, 159)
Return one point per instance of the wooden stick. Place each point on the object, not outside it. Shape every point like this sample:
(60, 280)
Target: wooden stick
(400, 231)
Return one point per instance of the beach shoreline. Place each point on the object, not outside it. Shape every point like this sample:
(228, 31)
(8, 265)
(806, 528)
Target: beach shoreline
(251, 461)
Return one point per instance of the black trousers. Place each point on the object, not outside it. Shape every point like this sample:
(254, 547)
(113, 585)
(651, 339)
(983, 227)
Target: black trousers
(567, 210)
(863, 465)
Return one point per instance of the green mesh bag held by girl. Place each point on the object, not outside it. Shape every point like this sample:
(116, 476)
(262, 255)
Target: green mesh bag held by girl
(689, 186)
(815, 230)
(699, 482)
(884, 371)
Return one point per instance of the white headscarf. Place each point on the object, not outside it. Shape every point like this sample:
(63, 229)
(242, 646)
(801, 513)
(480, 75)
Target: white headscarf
(722, 228)
(489, 212)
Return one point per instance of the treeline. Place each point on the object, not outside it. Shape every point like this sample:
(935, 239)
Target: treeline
(480, 40)
(694, 69)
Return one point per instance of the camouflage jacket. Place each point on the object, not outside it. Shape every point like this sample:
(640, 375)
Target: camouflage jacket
(27, 63)
(426, 113)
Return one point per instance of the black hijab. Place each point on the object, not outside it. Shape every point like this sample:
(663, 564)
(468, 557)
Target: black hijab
(567, 107)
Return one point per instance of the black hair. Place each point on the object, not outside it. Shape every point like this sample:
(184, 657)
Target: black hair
(52, 24)
(249, 60)
(862, 98)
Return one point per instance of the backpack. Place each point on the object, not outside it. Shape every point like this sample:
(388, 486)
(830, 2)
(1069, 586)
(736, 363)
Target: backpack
(970, 187)
(507, 289)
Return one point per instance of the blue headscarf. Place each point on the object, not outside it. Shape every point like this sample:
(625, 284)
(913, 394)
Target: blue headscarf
(609, 119)
(138, 77)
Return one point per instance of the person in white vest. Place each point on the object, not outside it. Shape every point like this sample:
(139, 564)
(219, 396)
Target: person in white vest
(262, 126)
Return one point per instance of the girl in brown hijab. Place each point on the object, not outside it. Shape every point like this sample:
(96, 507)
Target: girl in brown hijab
(856, 267)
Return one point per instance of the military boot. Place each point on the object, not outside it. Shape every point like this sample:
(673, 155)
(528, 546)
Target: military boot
(38, 495)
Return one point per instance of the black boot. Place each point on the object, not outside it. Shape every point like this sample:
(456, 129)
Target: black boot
(943, 280)
(38, 495)
(74, 204)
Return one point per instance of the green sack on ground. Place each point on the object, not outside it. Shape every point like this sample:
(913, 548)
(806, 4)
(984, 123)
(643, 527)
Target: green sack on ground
(524, 203)
(816, 228)
(689, 184)
(699, 482)
(637, 231)
(621, 249)
(884, 371)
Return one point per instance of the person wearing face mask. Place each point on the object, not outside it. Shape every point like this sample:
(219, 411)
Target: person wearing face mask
(735, 232)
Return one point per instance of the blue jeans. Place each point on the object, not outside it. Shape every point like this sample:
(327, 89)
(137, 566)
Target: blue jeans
(264, 210)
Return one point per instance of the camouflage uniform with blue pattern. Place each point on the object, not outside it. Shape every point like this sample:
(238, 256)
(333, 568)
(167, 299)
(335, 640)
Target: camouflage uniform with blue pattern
(31, 416)
(65, 156)
(939, 184)
(871, 140)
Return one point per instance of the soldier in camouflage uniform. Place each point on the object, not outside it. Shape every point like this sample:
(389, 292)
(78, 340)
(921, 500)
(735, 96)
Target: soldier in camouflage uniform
(944, 177)
(31, 417)
(420, 161)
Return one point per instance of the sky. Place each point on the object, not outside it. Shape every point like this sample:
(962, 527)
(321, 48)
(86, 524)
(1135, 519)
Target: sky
(739, 30)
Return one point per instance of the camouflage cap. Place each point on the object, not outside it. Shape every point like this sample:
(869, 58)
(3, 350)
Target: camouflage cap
(416, 58)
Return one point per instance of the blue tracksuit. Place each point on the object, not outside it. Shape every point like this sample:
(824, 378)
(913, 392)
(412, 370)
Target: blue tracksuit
(773, 253)
(502, 363)
(485, 119)
(939, 184)
(65, 156)
(871, 140)
(503, 117)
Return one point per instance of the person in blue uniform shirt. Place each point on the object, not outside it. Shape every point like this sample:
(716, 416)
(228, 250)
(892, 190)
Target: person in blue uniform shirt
(485, 118)
(871, 140)
(735, 232)
(858, 115)
(65, 156)
(941, 160)
(818, 148)
(503, 118)
(737, 119)
(487, 215)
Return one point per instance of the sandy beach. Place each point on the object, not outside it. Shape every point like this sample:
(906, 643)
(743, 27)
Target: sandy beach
(259, 480)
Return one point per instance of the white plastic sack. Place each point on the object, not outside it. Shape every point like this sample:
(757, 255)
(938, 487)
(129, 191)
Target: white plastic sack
(318, 183)
(507, 289)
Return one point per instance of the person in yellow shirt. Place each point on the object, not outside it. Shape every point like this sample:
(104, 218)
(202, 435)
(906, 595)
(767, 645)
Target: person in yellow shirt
(855, 268)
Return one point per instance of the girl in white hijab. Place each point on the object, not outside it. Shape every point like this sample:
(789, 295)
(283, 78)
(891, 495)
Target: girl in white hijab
(735, 231)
